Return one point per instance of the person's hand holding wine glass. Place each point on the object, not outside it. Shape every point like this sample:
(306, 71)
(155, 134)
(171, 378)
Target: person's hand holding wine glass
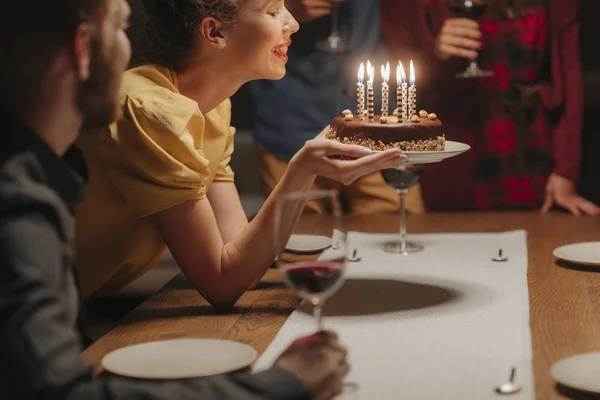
(319, 361)
(461, 37)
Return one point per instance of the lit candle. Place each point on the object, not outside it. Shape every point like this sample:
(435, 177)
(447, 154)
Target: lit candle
(385, 90)
(370, 94)
(360, 92)
(398, 94)
(412, 92)
(403, 93)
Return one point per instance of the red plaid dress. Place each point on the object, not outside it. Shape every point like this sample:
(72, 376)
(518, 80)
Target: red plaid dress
(501, 117)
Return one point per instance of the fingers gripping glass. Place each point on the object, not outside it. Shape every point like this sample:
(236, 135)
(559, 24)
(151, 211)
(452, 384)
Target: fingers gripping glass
(472, 9)
(312, 255)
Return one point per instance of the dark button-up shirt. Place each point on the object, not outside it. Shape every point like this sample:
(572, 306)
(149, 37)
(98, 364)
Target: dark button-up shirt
(40, 348)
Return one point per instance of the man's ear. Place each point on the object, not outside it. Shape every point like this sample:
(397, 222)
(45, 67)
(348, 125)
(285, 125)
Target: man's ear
(82, 51)
(213, 32)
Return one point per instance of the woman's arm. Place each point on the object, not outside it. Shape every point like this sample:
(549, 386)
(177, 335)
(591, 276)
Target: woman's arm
(568, 81)
(567, 133)
(227, 207)
(221, 263)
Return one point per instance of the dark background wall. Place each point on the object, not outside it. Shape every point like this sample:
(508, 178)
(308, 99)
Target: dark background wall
(590, 55)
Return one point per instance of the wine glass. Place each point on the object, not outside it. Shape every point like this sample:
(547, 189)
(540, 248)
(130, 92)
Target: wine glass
(473, 10)
(312, 253)
(402, 178)
(334, 42)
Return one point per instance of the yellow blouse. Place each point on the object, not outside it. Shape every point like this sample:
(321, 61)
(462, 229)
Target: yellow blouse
(162, 152)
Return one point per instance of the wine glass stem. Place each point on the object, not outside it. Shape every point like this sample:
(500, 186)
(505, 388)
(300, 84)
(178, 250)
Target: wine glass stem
(335, 20)
(402, 193)
(317, 312)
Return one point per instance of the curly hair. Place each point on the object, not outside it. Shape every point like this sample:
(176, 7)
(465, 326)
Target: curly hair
(172, 26)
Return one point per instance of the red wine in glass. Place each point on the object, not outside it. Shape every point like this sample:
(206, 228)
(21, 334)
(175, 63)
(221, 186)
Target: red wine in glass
(402, 179)
(472, 10)
(315, 279)
(475, 11)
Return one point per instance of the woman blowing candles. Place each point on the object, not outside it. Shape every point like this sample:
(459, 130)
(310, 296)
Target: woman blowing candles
(522, 158)
(161, 176)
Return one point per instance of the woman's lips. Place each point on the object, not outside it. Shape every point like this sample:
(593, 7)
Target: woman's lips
(281, 51)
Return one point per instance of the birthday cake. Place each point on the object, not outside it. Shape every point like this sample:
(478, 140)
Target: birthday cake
(421, 132)
(403, 130)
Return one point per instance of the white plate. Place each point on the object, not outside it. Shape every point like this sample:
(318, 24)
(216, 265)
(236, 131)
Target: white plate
(179, 358)
(428, 157)
(587, 253)
(579, 372)
(307, 243)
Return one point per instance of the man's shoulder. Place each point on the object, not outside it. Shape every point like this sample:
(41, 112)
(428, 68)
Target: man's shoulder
(21, 185)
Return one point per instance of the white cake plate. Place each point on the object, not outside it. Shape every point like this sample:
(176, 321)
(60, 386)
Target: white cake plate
(429, 157)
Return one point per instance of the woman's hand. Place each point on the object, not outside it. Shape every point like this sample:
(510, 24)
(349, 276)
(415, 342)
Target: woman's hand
(342, 162)
(561, 191)
(459, 37)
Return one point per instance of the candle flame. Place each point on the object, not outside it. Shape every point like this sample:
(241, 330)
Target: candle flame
(412, 74)
(361, 73)
(385, 73)
(400, 74)
(370, 73)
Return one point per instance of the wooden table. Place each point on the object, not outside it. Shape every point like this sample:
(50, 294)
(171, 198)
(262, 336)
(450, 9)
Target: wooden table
(565, 303)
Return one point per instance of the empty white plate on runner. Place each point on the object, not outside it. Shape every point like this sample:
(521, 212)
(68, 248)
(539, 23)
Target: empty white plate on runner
(307, 243)
(579, 372)
(587, 253)
(179, 358)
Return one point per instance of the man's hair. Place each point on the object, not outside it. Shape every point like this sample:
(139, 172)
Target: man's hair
(32, 32)
(172, 26)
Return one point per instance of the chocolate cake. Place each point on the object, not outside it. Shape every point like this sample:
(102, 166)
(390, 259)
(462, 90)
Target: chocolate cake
(421, 133)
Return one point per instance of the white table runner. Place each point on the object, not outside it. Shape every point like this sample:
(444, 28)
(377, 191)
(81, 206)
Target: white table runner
(447, 323)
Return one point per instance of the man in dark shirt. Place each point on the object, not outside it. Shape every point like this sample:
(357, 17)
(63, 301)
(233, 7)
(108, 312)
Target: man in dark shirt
(60, 71)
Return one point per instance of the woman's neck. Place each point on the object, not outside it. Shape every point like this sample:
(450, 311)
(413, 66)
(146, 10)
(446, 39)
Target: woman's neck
(208, 81)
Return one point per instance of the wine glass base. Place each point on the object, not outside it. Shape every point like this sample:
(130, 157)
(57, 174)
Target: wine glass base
(333, 44)
(403, 248)
(474, 72)
(349, 391)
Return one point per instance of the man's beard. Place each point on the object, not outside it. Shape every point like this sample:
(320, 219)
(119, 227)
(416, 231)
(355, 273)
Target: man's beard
(96, 100)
